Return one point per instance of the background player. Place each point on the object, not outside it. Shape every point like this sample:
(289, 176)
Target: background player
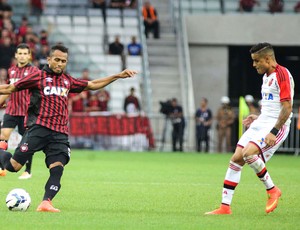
(17, 103)
(48, 118)
(266, 132)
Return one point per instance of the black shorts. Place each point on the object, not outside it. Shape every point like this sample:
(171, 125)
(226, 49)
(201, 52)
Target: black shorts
(55, 145)
(10, 121)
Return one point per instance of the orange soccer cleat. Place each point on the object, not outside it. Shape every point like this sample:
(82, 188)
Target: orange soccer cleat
(46, 206)
(273, 197)
(2, 172)
(223, 210)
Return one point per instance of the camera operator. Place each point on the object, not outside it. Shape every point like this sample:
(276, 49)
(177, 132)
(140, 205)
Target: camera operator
(178, 123)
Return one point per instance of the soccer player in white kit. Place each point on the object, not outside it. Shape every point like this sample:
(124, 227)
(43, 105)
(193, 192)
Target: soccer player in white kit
(265, 132)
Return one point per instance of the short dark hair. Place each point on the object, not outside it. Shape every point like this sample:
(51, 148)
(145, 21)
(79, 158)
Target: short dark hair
(23, 46)
(59, 47)
(264, 46)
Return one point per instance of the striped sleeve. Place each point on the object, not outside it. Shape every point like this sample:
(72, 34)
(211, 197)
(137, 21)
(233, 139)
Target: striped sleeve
(28, 82)
(77, 85)
(283, 80)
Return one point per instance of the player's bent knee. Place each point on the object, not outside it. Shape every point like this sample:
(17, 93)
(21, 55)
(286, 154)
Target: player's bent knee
(55, 164)
(13, 166)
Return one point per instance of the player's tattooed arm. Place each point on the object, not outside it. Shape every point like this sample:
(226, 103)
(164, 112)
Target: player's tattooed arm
(284, 114)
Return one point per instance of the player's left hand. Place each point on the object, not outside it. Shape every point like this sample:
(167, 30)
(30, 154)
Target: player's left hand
(270, 139)
(128, 73)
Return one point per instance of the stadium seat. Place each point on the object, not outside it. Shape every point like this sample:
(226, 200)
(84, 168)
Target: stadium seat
(64, 29)
(80, 29)
(114, 21)
(52, 3)
(91, 12)
(80, 20)
(131, 22)
(96, 21)
(63, 20)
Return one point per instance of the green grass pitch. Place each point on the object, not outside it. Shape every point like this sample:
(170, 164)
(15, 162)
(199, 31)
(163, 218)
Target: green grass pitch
(125, 190)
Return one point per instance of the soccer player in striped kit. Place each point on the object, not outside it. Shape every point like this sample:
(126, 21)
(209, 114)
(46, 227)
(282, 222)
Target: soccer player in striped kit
(266, 132)
(17, 104)
(48, 118)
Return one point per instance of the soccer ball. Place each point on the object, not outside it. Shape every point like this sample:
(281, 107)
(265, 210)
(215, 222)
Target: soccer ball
(18, 200)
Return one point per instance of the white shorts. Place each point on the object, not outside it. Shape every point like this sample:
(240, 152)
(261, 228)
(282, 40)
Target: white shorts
(256, 134)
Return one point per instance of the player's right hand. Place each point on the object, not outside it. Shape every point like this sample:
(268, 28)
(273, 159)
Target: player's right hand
(247, 122)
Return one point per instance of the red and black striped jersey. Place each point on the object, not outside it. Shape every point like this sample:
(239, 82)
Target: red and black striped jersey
(49, 98)
(18, 102)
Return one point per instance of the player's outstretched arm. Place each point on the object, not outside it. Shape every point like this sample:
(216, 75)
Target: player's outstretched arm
(7, 89)
(102, 82)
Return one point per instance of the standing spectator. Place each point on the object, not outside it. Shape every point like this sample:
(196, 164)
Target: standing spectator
(247, 5)
(93, 103)
(203, 119)
(7, 51)
(178, 125)
(42, 55)
(78, 101)
(131, 102)
(275, 6)
(37, 7)
(44, 37)
(150, 19)
(22, 30)
(225, 119)
(134, 48)
(103, 97)
(250, 103)
(85, 74)
(297, 7)
(100, 4)
(117, 48)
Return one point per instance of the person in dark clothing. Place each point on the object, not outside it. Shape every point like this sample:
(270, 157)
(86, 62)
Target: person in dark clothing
(7, 52)
(178, 125)
(203, 118)
(47, 123)
(117, 48)
(131, 103)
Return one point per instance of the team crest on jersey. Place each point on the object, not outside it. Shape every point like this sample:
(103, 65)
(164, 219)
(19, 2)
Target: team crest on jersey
(66, 82)
(26, 73)
(24, 147)
(12, 72)
(270, 82)
(49, 79)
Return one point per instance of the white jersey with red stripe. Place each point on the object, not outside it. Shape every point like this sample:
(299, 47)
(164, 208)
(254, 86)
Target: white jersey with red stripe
(276, 88)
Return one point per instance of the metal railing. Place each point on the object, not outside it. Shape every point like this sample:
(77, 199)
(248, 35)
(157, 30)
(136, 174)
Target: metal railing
(147, 89)
(187, 91)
